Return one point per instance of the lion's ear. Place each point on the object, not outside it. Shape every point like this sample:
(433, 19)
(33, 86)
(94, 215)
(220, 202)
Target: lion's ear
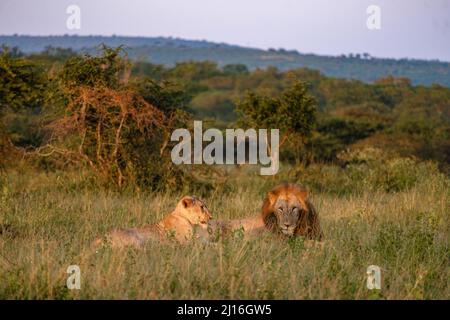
(187, 202)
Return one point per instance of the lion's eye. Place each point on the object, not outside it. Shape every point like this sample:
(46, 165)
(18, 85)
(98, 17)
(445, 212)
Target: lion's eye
(280, 209)
(295, 209)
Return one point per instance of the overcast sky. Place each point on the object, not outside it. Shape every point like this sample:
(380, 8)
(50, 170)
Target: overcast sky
(409, 28)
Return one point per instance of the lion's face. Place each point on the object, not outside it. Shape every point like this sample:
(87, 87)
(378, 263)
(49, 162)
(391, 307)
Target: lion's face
(284, 208)
(194, 210)
(287, 212)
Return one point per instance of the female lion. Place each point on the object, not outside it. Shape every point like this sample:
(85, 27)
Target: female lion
(180, 224)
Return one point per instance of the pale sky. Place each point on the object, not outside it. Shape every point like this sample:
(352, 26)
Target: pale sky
(409, 28)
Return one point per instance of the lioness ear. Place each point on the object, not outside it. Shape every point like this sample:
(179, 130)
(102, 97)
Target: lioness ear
(187, 202)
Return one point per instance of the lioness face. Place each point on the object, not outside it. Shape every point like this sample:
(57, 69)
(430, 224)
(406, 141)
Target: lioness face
(195, 210)
(288, 211)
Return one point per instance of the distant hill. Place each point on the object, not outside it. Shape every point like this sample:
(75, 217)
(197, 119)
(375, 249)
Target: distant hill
(169, 51)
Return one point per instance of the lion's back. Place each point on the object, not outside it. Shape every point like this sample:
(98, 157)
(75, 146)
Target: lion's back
(119, 238)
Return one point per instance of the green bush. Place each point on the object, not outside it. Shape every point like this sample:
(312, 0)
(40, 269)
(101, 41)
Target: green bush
(368, 169)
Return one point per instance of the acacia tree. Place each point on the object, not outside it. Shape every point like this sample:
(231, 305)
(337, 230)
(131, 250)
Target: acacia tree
(108, 122)
(293, 111)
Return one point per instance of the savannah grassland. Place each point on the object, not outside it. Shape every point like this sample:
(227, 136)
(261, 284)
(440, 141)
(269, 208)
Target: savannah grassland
(84, 148)
(48, 220)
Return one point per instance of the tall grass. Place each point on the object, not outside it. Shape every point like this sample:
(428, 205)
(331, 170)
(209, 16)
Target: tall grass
(47, 222)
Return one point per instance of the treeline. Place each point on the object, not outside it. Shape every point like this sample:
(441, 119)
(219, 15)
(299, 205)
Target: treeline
(114, 115)
(390, 114)
(169, 51)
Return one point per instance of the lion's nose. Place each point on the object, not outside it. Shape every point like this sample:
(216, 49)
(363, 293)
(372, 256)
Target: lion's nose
(286, 225)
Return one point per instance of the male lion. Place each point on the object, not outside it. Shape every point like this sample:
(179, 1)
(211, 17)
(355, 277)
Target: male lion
(181, 224)
(287, 210)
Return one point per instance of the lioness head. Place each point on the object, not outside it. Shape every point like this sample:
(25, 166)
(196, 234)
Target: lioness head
(287, 210)
(194, 210)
